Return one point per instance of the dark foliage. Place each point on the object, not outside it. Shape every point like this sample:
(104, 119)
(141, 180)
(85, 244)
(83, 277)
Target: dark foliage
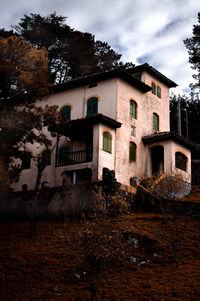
(71, 53)
(193, 46)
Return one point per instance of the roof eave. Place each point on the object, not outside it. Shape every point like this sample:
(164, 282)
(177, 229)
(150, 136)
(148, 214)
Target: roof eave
(155, 73)
(96, 77)
(170, 136)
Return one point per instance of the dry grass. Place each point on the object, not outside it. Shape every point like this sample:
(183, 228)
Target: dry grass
(49, 267)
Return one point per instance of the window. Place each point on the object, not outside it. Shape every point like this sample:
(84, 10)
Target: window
(107, 142)
(133, 130)
(26, 160)
(66, 112)
(92, 106)
(63, 154)
(46, 157)
(180, 161)
(153, 85)
(158, 91)
(132, 151)
(133, 109)
(155, 122)
(138, 76)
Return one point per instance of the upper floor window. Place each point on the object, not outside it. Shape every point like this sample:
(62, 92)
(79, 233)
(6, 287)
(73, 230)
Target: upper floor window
(153, 85)
(138, 76)
(181, 161)
(133, 109)
(66, 112)
(26, 160)
(92, 106)
(46, 157)
(132, 151)
(155, 122)
(158, 91)
(107, 142)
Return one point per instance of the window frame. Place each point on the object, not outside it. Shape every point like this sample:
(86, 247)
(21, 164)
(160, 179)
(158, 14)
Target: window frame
(92, 106)
(133, 108)
(157, 120)
(153, 86)
(181, 161)
(158, 91)
(66, 112)
(107, 142)
(132, 151)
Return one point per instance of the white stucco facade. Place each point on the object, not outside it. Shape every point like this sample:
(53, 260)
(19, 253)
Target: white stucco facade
(113, 94)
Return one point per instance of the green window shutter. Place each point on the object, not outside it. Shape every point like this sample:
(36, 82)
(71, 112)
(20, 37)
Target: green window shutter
(66, 112)
(133, 109)
(107, 142)
(155, 122)
(132, 151)
(153, 88)
(46, 157)
(92, 106)
(158, 91)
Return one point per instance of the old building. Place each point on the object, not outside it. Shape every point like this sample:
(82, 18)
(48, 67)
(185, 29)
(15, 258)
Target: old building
(117, 120)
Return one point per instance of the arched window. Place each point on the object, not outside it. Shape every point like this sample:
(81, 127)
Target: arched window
(132, 151)
(153, 85)
(92, 106)
(181, 161)
(46, 157)
(133, 109)
(107, 142)
(26, 160)
(158, 91)
(155, 122)
(66, 112)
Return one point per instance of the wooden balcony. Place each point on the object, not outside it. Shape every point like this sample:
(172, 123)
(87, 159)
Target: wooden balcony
(70, 158)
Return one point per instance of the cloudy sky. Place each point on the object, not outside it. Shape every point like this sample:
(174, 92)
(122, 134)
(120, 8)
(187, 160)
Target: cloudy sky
(142, 31)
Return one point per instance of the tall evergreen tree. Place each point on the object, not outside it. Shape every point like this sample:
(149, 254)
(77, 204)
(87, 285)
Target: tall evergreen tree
(193, 46)
(71, 53)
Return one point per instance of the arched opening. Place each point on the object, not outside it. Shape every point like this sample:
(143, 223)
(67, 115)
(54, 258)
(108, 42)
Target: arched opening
(66, 112)
(157, 160)
(155, 122)
(181, 161)
(133, 109)
(107, 142)
(92, 106)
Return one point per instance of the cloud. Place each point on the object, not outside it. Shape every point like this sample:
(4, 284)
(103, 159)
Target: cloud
(142, 31)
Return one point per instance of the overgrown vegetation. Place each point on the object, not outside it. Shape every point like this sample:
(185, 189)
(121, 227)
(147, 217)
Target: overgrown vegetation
(54, 266)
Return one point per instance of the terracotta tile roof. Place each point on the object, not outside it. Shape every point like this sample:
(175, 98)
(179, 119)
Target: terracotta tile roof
(106, 74)
(82, 124)
(154, 72)
(160, 136)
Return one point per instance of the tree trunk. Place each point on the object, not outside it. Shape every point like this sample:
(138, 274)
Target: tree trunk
(94, 285)
(33, 230)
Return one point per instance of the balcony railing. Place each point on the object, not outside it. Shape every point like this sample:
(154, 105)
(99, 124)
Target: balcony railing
(70, 158)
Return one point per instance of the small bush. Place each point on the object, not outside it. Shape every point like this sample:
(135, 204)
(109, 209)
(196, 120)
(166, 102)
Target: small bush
(117, 207)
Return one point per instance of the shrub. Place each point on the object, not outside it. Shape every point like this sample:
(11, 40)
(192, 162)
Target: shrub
(117, 207)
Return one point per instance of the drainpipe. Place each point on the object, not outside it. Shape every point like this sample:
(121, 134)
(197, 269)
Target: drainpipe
(57, 143)
(179, 117)
(74, 177)
(84, 101)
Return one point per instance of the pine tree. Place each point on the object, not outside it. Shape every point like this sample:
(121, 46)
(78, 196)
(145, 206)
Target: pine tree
(193, 46)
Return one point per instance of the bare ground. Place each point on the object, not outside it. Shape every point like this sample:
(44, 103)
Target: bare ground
(50, 267)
